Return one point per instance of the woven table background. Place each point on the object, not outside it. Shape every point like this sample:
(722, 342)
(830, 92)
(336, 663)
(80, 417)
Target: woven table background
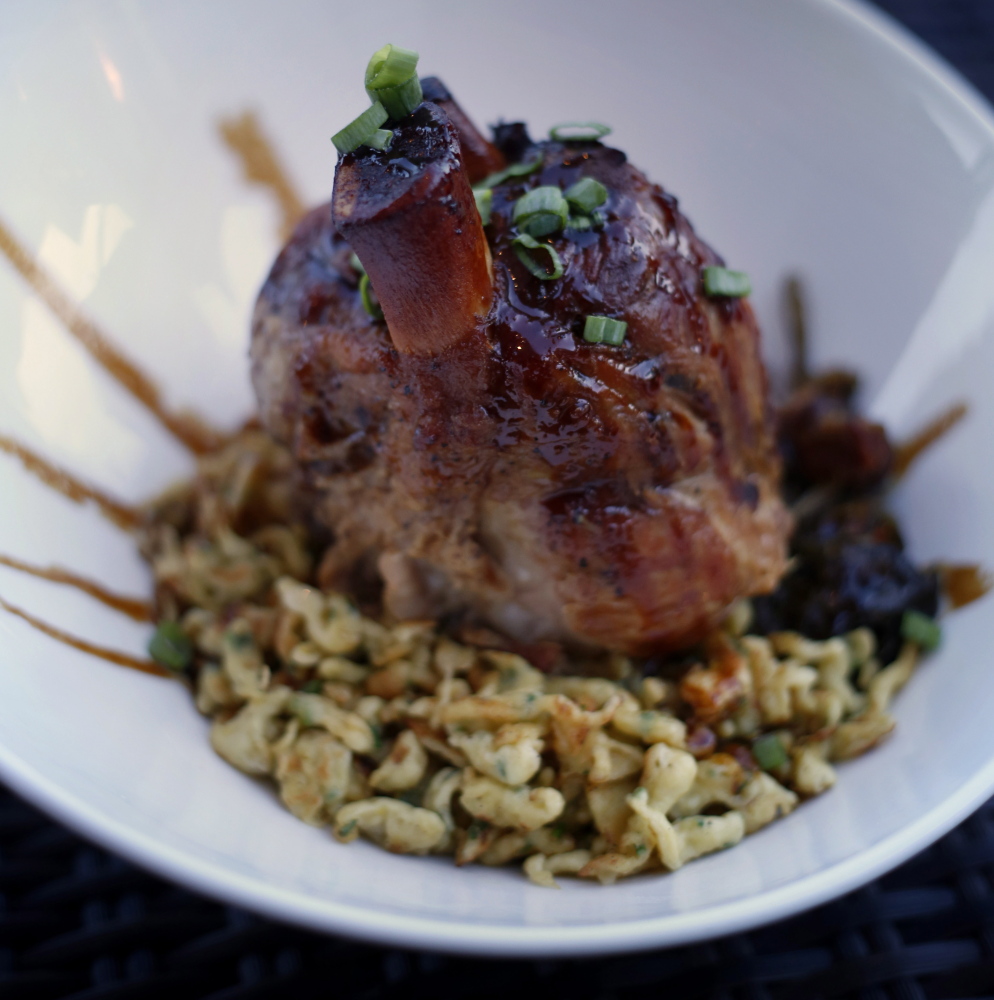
(78, 922)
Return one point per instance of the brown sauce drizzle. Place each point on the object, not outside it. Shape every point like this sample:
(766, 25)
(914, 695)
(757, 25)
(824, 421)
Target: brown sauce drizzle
(245, 138)
(185, 427)
(964, 584)
(797, 322)
(262, 166)
(69, 486)
(111, 655)
(906, 453)
(133, 607)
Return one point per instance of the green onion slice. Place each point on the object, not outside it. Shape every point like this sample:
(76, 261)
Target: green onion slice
(360, 129)
(390, 65)
(586, 195)
(920, 629)
(579, 132)
(401, 100)
(524, 246)
(769, 751)
(356, 264)
(380, 139)
(541, 211)
(170, 646)
(542, 224)
(369, 302)
(392, 79)
(583, 223)
(604, 330)
(514, 170)
(484, 203)
(721, 281)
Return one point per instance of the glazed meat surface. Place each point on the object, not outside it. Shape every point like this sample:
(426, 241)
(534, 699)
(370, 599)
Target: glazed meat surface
(473, 452)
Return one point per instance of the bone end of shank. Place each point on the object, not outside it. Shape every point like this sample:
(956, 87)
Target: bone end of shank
(410, 216)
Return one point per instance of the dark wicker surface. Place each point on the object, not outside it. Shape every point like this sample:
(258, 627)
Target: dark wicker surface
(78, 922)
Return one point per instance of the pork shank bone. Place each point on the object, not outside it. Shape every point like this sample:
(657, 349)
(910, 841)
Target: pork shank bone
(474, 451)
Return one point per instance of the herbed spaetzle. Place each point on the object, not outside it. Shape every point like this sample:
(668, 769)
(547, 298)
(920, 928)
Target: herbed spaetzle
(399, 733)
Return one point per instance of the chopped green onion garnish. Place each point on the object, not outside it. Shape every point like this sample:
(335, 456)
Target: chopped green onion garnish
(170, 646)
(586, 194)
(369, 302)
(389, 66)
(604, 330)
(721, 281)
(769, 751)
(579, 132)
(380, 139)
(356, 264)
(583, 223)
(484, 203)
(514, 170)
(920, 629)
(542, 224)
(392, 79)
(313, 686)
(401, 100)
(360, 129)
(541, 211)
(524, 244)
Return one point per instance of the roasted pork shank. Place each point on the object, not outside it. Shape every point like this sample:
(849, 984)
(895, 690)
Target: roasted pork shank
(470, 449)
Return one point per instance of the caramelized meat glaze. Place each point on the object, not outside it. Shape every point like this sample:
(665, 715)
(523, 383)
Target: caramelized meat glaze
(472, 451)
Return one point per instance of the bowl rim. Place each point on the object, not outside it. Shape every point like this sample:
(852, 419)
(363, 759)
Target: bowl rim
(496, 940)
(329, 916)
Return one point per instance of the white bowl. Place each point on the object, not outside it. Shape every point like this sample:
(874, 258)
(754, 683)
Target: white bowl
(802, 135)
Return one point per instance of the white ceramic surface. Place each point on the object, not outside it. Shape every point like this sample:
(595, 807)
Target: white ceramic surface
(802, 135)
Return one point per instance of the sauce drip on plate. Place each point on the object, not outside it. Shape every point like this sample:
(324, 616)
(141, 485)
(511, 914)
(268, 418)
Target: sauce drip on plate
(133, 607)
(69, 486)
(963, 585)
(909, 450)
(190, 430)
(111, 655)
(261, 164)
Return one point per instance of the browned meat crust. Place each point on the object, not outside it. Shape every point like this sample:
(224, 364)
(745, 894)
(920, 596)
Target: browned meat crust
(825, 440)
(601, 496)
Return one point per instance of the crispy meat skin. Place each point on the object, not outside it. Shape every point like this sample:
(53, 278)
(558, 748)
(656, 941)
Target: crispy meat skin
(598, 496)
